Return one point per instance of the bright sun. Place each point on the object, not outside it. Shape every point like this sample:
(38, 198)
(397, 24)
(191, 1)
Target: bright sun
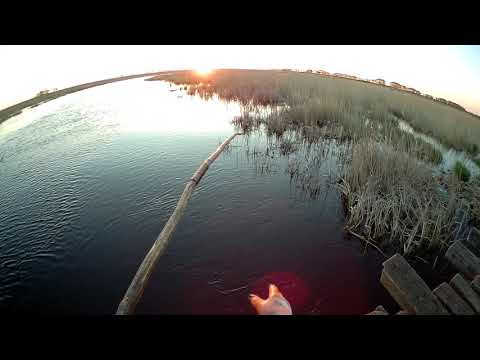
(204, 71)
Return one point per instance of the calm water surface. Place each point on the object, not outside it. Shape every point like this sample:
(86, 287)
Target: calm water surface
(89, 180)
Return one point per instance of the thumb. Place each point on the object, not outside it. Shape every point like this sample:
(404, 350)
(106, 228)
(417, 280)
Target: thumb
(273, 290)
(257, 302)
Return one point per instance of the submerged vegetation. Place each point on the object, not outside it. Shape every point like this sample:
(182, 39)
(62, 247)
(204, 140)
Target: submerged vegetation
(392, 197)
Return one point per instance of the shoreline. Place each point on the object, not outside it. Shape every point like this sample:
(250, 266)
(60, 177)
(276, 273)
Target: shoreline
(16, 109)
(331, 75)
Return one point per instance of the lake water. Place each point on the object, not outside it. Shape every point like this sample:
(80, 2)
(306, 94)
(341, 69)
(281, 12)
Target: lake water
(89, 180)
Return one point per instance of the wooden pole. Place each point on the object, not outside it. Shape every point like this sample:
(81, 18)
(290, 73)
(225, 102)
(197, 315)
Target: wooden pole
(139, 282)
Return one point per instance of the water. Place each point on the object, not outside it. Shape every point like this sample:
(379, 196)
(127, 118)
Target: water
(89, 180)
(449, 156)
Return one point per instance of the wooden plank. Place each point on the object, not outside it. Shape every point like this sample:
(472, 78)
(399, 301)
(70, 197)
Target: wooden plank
(408, 289)
(476, 284)
(463, 288)
(452, 301)
(463, 260)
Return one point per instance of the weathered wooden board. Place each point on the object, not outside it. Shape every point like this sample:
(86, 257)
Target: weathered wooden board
(463, 288)
(452, 301)
(463, 260)
(408, 289)
(476, 284)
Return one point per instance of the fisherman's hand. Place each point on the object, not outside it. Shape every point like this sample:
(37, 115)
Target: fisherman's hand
(276, 304)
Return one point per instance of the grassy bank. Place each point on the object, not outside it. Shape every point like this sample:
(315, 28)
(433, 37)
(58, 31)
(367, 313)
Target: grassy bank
(37, 100)
(391, 196)
(323, 97)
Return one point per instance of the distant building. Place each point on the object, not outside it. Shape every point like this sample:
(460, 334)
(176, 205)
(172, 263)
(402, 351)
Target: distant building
(379, 81)
(451, 103)
(396, 85)
(345, 76)
(413, 90)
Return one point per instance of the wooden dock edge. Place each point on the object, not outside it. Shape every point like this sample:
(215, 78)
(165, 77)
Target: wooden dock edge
(407, 288)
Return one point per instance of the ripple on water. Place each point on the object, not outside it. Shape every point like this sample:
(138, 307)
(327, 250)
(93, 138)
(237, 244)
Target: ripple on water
(91, 178)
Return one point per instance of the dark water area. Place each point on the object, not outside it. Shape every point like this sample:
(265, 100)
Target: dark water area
(89, 180)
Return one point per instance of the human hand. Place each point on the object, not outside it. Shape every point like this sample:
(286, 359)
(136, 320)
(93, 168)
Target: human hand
(276, 304)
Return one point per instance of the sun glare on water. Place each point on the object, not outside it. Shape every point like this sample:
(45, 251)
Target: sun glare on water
(204, 71)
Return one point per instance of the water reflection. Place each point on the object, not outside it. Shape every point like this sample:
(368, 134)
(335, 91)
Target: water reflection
(89, 180)
(314, 167)
(141, 107)
(178, 113)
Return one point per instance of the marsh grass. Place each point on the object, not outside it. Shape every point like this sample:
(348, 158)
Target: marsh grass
(391, 197)
(473, 194)
(394, 200)
(461, 171)
(319, 98)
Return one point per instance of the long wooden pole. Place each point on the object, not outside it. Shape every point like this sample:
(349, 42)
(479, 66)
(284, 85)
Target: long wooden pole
(137, 286)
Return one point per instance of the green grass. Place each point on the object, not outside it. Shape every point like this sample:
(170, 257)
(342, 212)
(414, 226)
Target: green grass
(461, 171)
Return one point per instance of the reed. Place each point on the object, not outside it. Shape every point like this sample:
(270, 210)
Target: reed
(461, 171)
(313, 98)
(391, 197)
(394, 201)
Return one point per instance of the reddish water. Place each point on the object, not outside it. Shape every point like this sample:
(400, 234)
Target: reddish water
(263, 228)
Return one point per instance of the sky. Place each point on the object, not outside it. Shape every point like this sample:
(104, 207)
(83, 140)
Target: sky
(451, 72)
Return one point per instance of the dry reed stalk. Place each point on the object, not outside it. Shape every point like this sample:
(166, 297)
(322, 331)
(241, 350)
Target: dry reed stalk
(140, 280)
